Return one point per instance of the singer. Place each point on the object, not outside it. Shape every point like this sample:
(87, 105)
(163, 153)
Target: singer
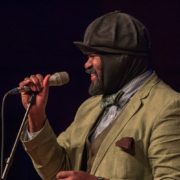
(129, 129)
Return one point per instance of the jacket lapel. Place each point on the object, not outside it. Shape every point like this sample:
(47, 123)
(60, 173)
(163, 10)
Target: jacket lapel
(126, 115)
(132, 108)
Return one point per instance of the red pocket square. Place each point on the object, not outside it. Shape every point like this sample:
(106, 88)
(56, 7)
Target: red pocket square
(127, 144)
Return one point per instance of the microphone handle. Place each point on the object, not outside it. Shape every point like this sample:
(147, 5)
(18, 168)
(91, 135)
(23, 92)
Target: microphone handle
(17, 90)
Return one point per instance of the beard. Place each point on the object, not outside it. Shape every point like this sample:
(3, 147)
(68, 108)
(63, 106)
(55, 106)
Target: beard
(96, 87)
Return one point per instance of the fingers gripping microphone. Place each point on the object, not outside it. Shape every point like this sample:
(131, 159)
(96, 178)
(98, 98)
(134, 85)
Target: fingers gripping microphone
(56, 79)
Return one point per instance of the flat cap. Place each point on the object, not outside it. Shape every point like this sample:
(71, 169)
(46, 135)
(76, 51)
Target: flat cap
(116, 33)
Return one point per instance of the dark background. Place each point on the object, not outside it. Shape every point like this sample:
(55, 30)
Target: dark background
(37, 36)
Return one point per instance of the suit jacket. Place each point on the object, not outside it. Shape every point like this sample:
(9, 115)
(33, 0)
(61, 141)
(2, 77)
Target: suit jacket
(151, 119)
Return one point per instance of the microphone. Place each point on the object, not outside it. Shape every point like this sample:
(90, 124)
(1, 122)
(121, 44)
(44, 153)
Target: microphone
(56, 79)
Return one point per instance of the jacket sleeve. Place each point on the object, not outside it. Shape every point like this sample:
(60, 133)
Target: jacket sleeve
(164, 149)
(50, 154)
(47, 155)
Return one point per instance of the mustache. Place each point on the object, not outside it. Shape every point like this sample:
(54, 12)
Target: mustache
(91, 71)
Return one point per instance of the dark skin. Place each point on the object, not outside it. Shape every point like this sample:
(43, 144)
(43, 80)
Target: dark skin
(37, 114)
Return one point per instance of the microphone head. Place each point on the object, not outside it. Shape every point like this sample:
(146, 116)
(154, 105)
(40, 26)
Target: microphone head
(59, 79)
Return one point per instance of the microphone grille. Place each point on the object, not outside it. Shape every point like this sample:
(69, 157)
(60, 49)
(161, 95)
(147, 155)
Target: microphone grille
(59, 79)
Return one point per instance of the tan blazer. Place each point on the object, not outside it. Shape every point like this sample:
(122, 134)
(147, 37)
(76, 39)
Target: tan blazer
(151, 119)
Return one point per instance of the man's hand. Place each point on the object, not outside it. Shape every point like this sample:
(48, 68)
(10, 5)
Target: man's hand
(37, 114)
(75, 175)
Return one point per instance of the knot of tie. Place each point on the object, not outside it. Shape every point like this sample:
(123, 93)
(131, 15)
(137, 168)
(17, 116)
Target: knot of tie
(112, 99)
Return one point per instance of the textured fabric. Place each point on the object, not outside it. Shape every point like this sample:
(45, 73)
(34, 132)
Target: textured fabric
(112, 99)
(118, 70)
(151, 118)
(126, 92)
(92, 147)
(31, 135)
(116, 33)
(119, 100)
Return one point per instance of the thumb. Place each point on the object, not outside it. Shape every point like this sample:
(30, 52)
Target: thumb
(46, 80)
(45, 83)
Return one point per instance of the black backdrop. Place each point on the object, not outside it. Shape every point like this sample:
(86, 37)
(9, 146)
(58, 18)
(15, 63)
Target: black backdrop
(37, 36)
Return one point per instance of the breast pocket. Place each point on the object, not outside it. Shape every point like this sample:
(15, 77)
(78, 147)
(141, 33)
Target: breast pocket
(119, 164)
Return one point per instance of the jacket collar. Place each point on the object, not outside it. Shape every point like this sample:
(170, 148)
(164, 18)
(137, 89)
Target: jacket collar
(132, 108)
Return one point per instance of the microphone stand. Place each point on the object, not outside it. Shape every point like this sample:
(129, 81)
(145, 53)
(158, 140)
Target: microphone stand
(10, 158)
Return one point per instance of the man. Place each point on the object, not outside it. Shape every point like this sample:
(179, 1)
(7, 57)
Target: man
(128, 129)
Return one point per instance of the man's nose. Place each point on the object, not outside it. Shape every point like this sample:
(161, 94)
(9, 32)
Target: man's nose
(88, 64)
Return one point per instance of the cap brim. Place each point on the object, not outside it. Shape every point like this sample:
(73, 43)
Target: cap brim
(85, 49)
(106, 50)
